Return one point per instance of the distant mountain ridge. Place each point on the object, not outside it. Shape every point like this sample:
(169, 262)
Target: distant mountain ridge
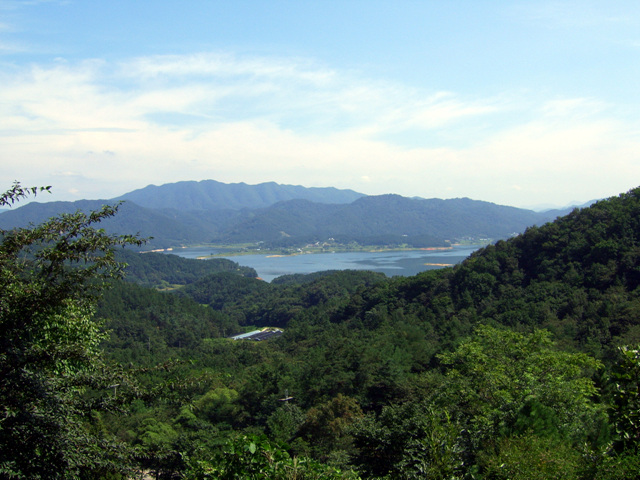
(189, 213)
(372, 216)
(213, 195)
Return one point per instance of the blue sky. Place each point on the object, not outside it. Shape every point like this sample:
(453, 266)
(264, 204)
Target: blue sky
(517, 103)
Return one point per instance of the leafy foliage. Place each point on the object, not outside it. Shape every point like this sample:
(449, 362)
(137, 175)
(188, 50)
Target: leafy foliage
(50, 276)
(530, 457)
(407, 441)
(626, 400)
(506, 366)
(498, 378)
(254, 458)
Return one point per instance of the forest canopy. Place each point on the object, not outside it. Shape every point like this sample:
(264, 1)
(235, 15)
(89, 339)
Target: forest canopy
(520, 363)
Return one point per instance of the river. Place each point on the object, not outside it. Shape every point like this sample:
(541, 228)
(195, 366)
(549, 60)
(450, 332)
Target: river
(391, 263)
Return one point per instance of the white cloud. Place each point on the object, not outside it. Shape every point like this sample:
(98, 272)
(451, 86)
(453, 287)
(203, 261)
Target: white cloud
(225, 66)
(441, 110)
(572, 107)
(102, 129)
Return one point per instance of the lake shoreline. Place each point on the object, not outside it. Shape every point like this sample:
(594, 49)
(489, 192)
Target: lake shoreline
(242, 250)
(391, 261)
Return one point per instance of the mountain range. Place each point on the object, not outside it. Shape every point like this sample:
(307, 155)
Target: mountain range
(189, 213)
(213, 195)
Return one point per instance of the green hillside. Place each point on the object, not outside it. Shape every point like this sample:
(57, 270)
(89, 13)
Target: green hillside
(507, 366)
(161, 270)
(398, 218)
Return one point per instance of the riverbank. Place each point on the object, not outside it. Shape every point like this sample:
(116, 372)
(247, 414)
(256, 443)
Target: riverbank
(276, 253)
(390, 261)
(237, 250)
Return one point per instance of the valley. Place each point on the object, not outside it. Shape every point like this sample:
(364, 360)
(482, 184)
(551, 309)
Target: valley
(391, 261)
(517, 360)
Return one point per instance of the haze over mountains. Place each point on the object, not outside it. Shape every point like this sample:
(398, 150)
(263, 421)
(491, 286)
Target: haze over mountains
(188, 213)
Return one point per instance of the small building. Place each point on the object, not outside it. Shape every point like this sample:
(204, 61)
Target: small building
(259, 335)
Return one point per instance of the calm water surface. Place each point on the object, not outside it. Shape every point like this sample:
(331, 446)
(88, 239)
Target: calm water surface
(403, 263)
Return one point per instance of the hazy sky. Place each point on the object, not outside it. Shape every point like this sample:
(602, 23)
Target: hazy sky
(515, 102)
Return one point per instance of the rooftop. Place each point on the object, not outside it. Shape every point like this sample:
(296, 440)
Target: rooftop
(259, 335)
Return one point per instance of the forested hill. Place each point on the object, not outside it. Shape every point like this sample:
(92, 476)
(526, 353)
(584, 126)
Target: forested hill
(160, 270)
(577, 277)
(385, 216)
(505, 366)
(176, 215)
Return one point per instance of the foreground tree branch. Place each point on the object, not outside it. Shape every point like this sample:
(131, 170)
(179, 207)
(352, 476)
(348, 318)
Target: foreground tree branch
(50, 278)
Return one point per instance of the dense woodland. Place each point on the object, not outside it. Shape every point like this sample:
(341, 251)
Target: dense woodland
(519, 363)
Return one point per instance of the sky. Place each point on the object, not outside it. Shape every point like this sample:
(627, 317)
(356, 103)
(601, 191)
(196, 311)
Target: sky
(523, 103)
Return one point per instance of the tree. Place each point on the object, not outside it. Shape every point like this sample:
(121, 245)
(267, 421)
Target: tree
(406, 441)
(530, 457)
(498, 375)
(623, 459)
(50, 278)
(327, 426)
(625, 411)
(254, 457)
